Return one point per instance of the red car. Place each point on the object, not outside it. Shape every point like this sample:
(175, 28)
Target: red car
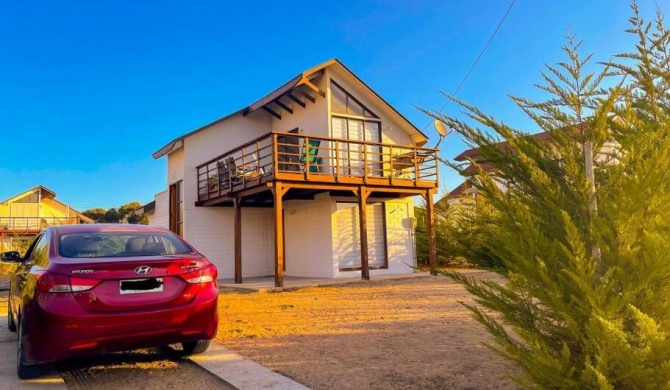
(91, 289)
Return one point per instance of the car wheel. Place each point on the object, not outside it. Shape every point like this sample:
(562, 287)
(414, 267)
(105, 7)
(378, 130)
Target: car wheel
(195, 347)
(11, 325)
(22, 370)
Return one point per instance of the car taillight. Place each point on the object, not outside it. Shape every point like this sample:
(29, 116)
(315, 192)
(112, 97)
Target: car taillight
(55, 283)
(202, 275)
(82, 284)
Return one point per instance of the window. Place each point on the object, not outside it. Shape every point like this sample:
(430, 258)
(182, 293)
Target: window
(353, 121)
(348, 236)
(176, 208)
(120, 244)
(32, 198)
(342, 102)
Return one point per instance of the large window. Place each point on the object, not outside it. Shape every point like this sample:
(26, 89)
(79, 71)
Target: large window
(349, 241)
(176, 208)
(352, 121)
(121, 244)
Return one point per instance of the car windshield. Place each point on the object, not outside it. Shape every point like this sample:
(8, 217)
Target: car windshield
(121, 244)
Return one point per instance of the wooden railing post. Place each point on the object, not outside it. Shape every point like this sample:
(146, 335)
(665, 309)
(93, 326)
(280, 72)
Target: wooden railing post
(415, 159)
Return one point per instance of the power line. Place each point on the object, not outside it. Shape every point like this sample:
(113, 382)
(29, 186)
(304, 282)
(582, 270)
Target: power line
(481, 54)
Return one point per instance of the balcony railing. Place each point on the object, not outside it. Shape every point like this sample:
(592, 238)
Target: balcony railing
(297, 157)
(33, 224)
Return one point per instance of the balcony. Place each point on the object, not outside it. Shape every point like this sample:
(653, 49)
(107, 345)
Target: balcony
(320, 162)
(33, 225)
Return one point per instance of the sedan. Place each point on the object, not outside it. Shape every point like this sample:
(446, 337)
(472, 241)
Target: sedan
(85, 290)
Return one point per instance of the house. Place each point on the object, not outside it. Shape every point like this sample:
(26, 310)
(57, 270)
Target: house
(465, 190)
(23, 216)
(315, 179)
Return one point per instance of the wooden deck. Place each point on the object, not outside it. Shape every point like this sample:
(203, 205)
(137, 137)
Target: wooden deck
(281, 166)
(326, 164)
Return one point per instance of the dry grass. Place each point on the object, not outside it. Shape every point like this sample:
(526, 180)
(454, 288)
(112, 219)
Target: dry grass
(393, 334)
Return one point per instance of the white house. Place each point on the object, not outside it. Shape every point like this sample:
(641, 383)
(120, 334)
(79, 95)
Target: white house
(276, 188)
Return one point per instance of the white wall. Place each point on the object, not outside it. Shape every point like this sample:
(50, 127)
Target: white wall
(212, 232)
(211, 229)
(161, 215)
(175, 166)
(307, 229)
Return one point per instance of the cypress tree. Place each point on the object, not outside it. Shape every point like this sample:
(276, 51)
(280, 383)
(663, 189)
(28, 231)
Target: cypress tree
(586, 302)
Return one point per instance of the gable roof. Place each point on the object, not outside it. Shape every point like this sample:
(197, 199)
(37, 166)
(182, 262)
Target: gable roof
(45, 192)
(301, 79)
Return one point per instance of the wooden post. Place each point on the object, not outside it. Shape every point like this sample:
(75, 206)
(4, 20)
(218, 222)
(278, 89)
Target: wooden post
(237, 203)
(279, 190)
(363, 224)
(430, 224)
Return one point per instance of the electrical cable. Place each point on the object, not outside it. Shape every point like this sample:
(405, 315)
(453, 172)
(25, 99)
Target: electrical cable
(481, 54)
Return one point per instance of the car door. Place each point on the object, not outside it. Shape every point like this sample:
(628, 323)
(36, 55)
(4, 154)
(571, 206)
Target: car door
(20, 281)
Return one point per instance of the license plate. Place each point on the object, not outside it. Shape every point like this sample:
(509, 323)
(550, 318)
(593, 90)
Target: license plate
(141, 286)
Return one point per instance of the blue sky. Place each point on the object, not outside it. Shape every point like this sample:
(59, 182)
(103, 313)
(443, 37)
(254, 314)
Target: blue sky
(88, 90)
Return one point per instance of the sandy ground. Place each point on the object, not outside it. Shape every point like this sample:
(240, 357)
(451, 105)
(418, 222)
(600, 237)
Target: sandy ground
(393, 334)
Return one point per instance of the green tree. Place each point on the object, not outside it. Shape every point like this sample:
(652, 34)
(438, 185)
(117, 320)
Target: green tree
(124, 214)
(586, 303)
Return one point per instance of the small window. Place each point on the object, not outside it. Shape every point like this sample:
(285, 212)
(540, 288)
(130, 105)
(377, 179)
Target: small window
(341, 102)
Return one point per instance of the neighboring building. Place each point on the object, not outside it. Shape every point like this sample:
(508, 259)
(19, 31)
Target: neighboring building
(465, 190)
(23, 216)
(276, 187)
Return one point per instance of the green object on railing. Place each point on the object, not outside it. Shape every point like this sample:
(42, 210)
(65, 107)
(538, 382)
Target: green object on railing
(310, 156)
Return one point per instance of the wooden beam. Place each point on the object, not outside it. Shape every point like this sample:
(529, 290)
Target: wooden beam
(313, 87)
(306, 95)
(284, 106)
(237, 203)
(272, 112)
(296, 100)
(430, 225)
(279, 192)
(363, 194)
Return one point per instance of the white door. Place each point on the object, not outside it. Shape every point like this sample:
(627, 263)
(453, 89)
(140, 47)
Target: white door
(348, 237)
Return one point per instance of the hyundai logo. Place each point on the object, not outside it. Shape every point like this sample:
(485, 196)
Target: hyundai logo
(143, 270)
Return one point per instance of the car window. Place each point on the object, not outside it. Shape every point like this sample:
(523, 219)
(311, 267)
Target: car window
(31, 248)
(120, 244)
(39, 254)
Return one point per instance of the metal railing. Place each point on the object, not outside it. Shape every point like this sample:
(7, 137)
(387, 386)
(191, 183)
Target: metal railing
(298, 157)
(34, 223)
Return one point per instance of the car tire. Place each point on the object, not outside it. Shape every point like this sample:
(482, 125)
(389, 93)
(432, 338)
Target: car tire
(24, 371)
(11, 325)
(195, 347)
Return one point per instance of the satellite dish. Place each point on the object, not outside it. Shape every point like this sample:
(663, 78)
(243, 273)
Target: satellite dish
(441, 130)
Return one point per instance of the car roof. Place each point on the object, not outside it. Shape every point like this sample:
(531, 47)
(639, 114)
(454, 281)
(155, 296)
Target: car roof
(108, 228)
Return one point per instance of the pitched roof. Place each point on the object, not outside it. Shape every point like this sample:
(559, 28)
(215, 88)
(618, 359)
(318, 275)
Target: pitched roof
(301, 79)
(474, 152)
(47, 193)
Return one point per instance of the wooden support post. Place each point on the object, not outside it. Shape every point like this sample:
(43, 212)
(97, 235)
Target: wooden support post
(430, 225)
(363, 194)
(279, 190)
(238, 239)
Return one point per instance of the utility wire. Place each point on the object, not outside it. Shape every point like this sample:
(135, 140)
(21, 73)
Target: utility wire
(481, 54)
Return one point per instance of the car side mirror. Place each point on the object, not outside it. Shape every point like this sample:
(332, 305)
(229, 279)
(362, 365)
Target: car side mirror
(10, 257)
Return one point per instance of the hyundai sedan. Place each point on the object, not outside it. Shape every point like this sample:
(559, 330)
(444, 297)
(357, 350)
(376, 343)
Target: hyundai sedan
(91, 289)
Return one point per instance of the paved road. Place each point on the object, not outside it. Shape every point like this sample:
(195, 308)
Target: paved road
(157, 369)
